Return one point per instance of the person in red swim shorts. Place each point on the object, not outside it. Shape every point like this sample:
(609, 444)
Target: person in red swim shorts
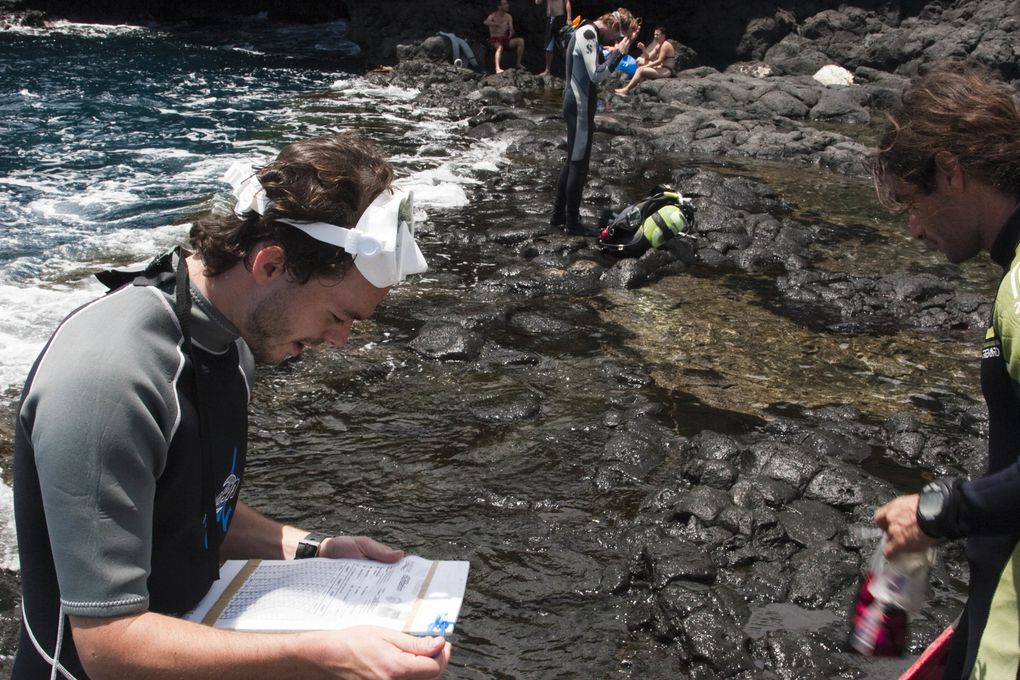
(501, 34)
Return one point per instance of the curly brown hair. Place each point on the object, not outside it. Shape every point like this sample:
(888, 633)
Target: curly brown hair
(957, 107)
(622, 16)
(325, 179)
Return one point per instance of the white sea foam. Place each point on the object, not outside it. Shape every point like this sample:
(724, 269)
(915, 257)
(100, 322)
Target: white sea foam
(72, 28)
(38, 291)
(436, 189)
(8, 539)
(85, 200)
(104, 223)
(368, 90)
(81, 204)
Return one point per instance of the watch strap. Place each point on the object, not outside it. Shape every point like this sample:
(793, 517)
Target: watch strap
(309, 545)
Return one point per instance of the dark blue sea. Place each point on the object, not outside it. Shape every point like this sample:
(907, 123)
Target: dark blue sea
(112, 138)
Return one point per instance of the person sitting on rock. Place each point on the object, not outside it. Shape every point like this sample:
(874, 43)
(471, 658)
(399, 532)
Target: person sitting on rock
(656, 61)
(501, 33)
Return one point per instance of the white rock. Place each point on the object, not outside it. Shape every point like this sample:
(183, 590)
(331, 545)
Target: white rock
(834, 75)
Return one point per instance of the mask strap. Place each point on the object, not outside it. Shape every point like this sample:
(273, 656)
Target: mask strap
(248, 191)
(354, 242)
(251, 196)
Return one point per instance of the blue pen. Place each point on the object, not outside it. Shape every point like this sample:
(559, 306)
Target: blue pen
(438, 628)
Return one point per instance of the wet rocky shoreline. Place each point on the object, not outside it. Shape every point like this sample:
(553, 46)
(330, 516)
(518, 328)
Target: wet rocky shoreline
(733, 523)
(720, 496)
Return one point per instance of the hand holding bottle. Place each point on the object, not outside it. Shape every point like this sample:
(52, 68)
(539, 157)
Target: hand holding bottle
(892, 589)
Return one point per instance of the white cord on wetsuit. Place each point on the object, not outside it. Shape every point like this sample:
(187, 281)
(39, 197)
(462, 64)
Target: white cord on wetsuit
(53, 661)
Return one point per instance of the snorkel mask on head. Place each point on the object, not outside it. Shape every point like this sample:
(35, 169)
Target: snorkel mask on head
(381, 243)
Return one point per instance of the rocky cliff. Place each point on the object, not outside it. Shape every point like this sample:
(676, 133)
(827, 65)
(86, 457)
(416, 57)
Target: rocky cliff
(719, 32)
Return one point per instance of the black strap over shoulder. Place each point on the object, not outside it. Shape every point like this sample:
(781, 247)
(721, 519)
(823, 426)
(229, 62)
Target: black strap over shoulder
(182, 307)
(156, 273)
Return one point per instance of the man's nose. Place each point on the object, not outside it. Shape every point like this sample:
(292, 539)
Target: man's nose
(916, 227)
(337, 335)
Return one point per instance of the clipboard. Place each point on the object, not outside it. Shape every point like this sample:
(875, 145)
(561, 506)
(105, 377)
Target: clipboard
(415, 595)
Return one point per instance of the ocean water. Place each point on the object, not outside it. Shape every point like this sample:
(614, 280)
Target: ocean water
(112, 138)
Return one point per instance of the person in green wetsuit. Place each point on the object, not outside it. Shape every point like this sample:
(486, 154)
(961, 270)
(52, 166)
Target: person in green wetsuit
(950, 159)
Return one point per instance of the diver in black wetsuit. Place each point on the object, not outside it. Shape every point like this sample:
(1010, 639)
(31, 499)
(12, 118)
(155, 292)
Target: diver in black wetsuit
(950, 159)
(585, 68)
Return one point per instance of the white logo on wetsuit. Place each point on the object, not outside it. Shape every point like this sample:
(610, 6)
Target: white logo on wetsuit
(228, 491)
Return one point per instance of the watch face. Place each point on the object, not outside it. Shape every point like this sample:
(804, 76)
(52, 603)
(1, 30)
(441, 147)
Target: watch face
(933, 499)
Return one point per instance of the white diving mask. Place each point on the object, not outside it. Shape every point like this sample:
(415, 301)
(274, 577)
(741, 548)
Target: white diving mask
(381, 243)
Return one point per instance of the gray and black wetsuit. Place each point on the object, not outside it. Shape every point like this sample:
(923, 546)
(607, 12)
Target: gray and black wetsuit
(586, 67)
(109, 470)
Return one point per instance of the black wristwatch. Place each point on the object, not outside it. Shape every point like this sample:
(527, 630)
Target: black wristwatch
(938, 508)
(309, 545)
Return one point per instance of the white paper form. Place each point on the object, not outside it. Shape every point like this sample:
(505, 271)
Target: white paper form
(414, 595)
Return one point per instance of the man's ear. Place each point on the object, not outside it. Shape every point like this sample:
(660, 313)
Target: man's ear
(268, 263)
(948, 166)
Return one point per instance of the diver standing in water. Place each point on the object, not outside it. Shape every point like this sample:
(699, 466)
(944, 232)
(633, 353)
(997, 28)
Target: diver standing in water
(586, 67)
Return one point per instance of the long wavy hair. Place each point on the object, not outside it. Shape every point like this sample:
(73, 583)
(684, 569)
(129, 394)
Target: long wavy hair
(956, 107)
(325, 179)
(626, 20)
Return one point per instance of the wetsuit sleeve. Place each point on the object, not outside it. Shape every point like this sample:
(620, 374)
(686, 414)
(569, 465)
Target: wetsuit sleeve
(1008, 322)
(991, 504)
(588, 46)
(100, 412)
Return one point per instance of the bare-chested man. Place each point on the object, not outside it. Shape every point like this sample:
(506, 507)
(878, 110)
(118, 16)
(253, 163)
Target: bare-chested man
(501, 33)
(558, 15)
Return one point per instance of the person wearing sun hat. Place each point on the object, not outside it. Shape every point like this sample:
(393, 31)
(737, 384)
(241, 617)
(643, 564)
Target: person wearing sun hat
(132, 429)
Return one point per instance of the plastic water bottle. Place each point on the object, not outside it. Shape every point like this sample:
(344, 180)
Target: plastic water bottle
(892, 590)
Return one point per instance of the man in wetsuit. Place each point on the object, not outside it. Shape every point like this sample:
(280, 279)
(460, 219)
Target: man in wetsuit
(950, 159)
(557, 15)
(131, 433)
(586, 67)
